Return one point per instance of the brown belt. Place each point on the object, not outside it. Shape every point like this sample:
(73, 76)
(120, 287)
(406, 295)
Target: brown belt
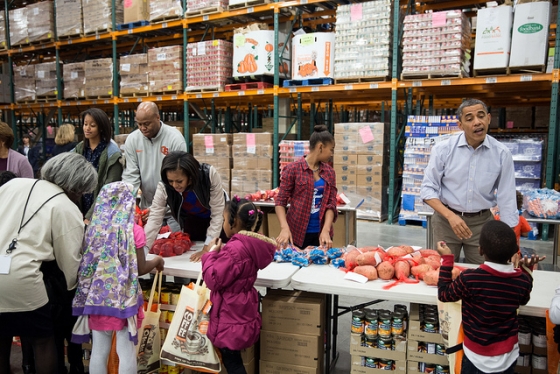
(468, 214)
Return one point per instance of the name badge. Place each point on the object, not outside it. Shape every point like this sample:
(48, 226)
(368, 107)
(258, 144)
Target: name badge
(5, 262)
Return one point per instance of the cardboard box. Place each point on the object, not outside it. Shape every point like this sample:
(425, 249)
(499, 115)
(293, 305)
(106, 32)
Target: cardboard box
(529, 43)
(345, 179)
(301, 350)
(136, 10)
(259, 45)
(342, 159)
(290, 314)
(313, 55)
(375, 180)
(493, 37)
(414, 333)
(414, 355)
(356, 349)
(248, 139)
(346, 189)
(357, 368)
(373, 160)
(345, 169)
(371, 170)
(283, 368)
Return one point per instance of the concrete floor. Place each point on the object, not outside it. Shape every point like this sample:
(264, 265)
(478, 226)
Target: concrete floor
(371, 233)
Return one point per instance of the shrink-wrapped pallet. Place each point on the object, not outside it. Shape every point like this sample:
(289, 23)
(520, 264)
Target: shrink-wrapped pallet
(69, 18)
(194, 6)
(134, 74)
(165, 66)
(161, 10)
(40, 21)
(74, 80)
(3, 44)
(24, 83)
(99, 78)
(98, 15)
(45, 79)
(18, 26)
(208, 65)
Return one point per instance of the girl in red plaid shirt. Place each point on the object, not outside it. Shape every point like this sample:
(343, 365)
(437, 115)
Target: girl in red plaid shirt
(309, 186)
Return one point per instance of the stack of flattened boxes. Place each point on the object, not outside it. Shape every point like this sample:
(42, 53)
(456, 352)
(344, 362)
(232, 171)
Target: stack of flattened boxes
(24, 83)
(165, 66)
(69, 18)
(360, 163)
(252, 163)
(40, 21)
(215, 150)
(293, 331)
(134, 74)
(74, 80)
(99, 82)
(45, 79)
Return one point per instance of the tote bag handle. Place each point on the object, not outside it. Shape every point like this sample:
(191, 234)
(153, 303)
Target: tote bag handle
(157, 280)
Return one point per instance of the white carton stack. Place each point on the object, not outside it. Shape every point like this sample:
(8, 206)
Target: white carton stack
(69, 18)
(18, 26)
(313, 55)
(195, 6)
(74, 76)
(99, 15)
(165, 66)
(24, 83)
(134, 75)
(208, 65)
(252, 163)
(45, 80)
(529, 42)
(493, 38)
(436, 45)
(165, 10)
(40, 21)
(363, 40)
(215, 150)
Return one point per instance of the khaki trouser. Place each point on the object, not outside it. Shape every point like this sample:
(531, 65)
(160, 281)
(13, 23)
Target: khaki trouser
(443, 231)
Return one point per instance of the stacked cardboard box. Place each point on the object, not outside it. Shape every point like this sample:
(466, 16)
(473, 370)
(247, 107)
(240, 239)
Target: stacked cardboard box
(529, 41)
(215, 150)
(252, 163)
(18, 26)
(74, 76)
(363, 40)
(196, 5)
(24, 83)
(69, 18)
(136, 10)
(99, 73)
(5, 83)
(165, 9)
(2, 31)
(45, 79)
(40, 21)
(99, 15)
(493, 38)
(134, 74)
(359, 352)
(292, 335)
(208, 64)
(165, 66)
(533, 346)
(361, 164)
(313, 55)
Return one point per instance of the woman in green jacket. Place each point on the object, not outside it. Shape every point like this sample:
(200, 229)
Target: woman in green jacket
(103, 153)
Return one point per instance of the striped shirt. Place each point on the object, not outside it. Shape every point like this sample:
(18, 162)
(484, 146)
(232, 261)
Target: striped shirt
(490, 300)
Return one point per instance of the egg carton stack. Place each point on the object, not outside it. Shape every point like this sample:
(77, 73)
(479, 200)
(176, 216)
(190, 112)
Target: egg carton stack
(40, 21)
(208, 65)
(69, 18)
(165, 10)
(99, 15)
(165, 67)
(436, 45)
(74, 76)
(24, 83)
(363, 41)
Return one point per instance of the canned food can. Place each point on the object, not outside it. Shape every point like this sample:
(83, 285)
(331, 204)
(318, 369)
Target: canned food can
(442, 369)
(371, 324)
(170, 314)
(422, 347)
(385, 364)
(429, 368)
(165, 297)
(384, 326)
(357, 322)
(370, 342)
(175, 298)
(174, 370)
(371, 362)
(431, 348)
(385, 343)
(440, 349)
(163, 316)
(397, 327)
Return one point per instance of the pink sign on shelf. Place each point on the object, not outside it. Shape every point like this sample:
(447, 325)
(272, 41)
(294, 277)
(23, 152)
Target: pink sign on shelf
(250, 140)
(127, 3)
(439, 19)
(366, 134)
(209, 143)
(355, 12)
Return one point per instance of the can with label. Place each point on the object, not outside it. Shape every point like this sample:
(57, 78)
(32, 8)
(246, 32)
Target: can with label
(370, 342)
(385, 343)
(422, 347)
(371, 324)
(431, 324)
(397, 327)
(440, 349)
(357, 322)
(430, 348)
(385, 364)
(429, 368)
(165, 297)
(384, 326)
(442, 369)
(175, 298)
(170, 314)
(371, 362)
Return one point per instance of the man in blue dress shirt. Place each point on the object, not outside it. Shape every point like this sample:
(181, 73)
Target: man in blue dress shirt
(466, 176)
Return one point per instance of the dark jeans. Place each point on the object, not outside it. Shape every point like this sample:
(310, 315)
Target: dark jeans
(232, 361)
(311, 239)
(467, 367)
(196, 228)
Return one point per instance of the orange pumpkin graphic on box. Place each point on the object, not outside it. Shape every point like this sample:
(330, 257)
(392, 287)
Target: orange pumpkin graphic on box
(248, 65)
(283, 68)
(308, 70)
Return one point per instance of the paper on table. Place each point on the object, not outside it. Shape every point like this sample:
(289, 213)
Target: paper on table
(165, 235)
(355, 277)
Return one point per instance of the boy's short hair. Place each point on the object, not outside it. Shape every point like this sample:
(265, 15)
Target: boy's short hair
(498, 241)
(519, 197)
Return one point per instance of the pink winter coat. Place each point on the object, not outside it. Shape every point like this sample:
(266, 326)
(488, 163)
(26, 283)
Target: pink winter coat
(230, 274)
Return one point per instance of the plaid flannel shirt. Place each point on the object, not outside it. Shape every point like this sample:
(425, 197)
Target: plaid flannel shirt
(296, 188)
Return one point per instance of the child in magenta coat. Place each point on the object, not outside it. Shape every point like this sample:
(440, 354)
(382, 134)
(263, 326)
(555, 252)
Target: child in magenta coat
(230, 273)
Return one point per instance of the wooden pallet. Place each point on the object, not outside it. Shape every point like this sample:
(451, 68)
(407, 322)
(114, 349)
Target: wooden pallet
(433, 75)
(308, 82)
(40, 42)
(248, 86)
(98, 97)
(71, 36)
(165, 92)
(537, 69)
(205, 89)
(247, 4)
(46, 98)
(98, 32)
(27, 101)
(132, 25)
(205, 11)
(134, 94)
(362, 80)
(165, 19)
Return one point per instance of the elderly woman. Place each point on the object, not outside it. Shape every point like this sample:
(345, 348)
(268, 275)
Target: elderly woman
(11, 160)
(45, 225)
(64, 140)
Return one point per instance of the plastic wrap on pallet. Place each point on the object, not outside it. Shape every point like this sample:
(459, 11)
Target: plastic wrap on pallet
(24, 83)
(40, 21)
(363, 40)
(45, 79)
(253, 53)
(194, 5)
(134, 74)
(436, 44)
(213, 145)
(165, 66)
(208, 64)
(361, 138)
(99, 77)
(2, 32)
(69, 18)
(74, 75)
(244, 182)
(165, 9)
(18, 26)
(99, 15)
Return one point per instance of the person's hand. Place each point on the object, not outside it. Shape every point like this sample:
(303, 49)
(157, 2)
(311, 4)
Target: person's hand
(459, 227)
(86, 221)
(443, 249)
(195, 257)
(144, 215)
(160, 262)
(529, 262)
(515, 259)
(215, 245)
(325, 240)
(285, 238)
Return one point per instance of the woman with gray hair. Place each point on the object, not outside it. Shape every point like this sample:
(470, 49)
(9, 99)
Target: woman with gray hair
(45, 225)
